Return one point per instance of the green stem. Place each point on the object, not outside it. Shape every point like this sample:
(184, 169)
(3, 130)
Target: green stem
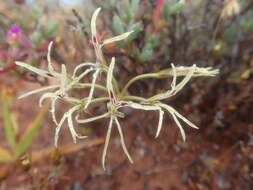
(101, 99)
(139, 77)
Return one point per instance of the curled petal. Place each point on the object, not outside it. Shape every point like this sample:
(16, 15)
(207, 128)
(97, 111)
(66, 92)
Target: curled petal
(81, 66)
(50, 66)
(71, 125)
(54, 98)
(93, 24)
(45, 96)
(77, 79)
(160, 123)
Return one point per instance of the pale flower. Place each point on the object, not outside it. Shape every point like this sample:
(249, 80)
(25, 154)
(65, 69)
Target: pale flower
(98, 45)
(154, 101)
(66, 83)
(114, 113)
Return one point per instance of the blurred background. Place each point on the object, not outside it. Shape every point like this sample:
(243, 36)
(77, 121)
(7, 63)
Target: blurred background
(208, 33)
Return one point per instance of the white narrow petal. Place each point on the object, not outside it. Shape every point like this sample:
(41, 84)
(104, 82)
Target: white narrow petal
(93, 22)
(143, 107)
(83, 74)
(93, 118)
(110, 75)
(117, 38)
(34, 69)
(45, 96)
(174, 81)
(54, 98)
(179, 126)
(71, 125)
(50, 66)
(208, 71)
(151, 108)
(171, 111)
(63, 79)
(58, 128)
(38, 90)
(53, 108)
(107, 139)
(199, 71)
(95, 75)
(80, 66)
(186, 79)
(185, 120)
(122, 140)
(160, 123)
(175, 88)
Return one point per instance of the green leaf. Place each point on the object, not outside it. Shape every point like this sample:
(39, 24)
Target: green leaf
(178, 6)
(8, 125)
(134, 6)
(5, 156)
(117, 25)
(30, 132)
(127, 10)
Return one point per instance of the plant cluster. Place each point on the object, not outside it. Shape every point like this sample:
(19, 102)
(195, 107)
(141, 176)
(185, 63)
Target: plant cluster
(111, 93)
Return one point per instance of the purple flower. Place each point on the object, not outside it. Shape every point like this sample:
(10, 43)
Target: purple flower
(14, 34)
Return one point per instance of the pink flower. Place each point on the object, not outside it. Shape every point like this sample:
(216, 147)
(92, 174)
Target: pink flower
(14, 35)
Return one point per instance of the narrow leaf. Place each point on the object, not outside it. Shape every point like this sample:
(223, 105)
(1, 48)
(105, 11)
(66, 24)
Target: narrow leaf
(30, 132)
(8, 125)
